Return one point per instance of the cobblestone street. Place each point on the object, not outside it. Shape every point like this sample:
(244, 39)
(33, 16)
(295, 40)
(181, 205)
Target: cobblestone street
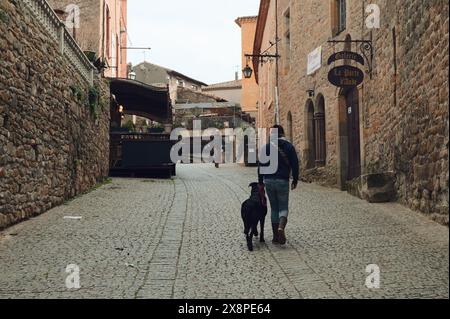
(183, 238)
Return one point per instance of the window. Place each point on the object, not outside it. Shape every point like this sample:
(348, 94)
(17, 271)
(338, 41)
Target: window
(339, 16)
(320, 131)
(108, 33)
(287, 38)
(310, 136)
(290, 130)
(180, 83)
(270, 84)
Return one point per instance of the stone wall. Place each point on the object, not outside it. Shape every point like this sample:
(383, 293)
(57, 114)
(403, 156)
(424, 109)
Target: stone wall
(407, 125)
(403, 107)
(54, 144)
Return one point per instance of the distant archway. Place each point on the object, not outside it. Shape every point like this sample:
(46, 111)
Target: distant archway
(140, 99)
(310, 145)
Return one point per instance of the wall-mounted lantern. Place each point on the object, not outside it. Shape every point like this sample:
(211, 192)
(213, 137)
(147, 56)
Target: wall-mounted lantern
(262, 58)
(248, 72)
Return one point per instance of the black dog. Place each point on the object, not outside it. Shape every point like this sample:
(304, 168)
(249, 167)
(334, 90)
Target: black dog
(254, 211)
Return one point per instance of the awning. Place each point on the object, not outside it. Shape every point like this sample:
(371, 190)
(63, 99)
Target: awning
(143, 100)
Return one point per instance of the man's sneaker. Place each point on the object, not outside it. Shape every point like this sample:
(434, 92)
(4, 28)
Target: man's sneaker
(281, 233)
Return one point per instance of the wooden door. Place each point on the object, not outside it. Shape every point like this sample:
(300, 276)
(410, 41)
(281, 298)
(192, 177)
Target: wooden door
(354, 141)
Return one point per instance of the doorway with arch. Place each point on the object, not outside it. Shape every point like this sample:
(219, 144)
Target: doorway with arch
(315, 133)
(349, 136)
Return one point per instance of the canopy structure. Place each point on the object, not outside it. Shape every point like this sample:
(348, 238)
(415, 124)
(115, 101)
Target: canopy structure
(141, 99)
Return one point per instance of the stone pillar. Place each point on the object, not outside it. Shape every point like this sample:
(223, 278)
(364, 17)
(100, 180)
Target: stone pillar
(61, 31)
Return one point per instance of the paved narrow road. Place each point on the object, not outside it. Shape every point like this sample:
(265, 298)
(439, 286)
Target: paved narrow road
(182, 238)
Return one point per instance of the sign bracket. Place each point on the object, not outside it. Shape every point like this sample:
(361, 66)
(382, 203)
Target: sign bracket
(366, 49)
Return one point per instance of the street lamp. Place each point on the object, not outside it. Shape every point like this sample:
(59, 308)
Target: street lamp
(262, 58)
(248, 72)
(311, 93)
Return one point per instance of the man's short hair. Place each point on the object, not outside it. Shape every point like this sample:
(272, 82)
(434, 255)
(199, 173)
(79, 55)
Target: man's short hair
(280, 130)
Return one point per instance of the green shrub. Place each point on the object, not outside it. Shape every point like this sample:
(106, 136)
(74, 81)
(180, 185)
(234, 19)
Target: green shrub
(93, 99)
(130, 126)
(77, 92)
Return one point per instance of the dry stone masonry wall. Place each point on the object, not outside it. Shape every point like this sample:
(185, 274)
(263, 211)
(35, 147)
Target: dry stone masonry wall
(54, 126)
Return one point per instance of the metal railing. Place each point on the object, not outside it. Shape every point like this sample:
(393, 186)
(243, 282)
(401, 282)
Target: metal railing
(50, 21)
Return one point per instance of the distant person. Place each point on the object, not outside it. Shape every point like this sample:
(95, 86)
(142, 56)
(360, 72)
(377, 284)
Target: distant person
(222, 157)
(277, 184)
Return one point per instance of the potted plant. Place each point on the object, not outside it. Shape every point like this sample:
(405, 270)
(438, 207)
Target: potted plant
(91, 55)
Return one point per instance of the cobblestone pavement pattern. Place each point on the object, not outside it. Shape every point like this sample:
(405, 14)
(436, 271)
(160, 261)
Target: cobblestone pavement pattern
(183, 238)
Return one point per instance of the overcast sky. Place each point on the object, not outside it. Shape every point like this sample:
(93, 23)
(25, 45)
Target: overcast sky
(198, 38)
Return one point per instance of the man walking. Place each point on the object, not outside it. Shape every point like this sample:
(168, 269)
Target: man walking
(277, 184)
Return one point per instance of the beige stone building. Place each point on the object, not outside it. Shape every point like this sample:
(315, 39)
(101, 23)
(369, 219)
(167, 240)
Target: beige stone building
(156, 75)
(394, 125)
(250, 90)
(99, 26)
(230, 91)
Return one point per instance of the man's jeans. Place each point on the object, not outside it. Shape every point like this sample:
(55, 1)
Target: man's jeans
(278, 193)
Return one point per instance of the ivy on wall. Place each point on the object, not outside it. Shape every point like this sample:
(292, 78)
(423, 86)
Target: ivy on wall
(90, 99)
(93, 98)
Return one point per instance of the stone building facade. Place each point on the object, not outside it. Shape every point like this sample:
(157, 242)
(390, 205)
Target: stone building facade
(394, 124)
(250, 90)
(230, 91)
(101, 28)
(54, 125)
(156, 75)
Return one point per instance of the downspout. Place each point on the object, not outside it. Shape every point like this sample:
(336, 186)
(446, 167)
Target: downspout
(103, 32)
(277, 85)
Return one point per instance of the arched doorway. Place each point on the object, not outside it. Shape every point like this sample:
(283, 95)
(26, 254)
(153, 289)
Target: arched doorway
(349, 131)
(320, 131)
(290, 132)
(310, 136)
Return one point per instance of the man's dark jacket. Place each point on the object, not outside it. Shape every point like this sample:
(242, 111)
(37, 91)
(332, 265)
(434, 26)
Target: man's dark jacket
(284, 169)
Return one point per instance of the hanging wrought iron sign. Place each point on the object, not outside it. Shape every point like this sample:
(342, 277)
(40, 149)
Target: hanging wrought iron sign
(346, 55)
(346, 76)
(366, 52)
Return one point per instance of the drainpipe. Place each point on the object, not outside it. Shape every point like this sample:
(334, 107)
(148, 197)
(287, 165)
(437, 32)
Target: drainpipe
(103, 30)
(277, 85)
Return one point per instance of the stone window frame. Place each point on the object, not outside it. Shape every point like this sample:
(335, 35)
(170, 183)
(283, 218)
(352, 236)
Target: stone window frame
(338, 16)
(287, 39)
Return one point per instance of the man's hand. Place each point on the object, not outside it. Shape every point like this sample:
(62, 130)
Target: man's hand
(294, 185)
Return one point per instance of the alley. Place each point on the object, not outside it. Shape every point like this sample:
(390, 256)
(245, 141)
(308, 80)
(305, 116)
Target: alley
(182, 238)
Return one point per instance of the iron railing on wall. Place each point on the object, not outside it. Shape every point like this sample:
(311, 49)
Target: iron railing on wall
(68, 47)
